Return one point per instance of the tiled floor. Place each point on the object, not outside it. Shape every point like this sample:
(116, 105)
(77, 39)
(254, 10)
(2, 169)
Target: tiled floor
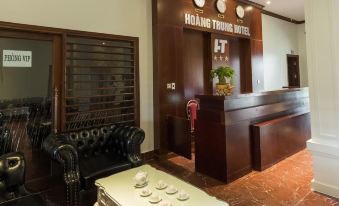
(287, 183)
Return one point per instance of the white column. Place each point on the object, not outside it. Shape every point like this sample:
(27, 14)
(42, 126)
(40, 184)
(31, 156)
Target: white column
(322, 36)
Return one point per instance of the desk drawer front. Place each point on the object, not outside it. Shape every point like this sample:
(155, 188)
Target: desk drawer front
(104, 200)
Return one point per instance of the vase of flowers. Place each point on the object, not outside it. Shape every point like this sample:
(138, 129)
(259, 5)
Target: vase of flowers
(225, 76)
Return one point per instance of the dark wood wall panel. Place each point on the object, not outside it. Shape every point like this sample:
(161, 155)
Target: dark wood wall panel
(257, 63)
(245, 66)
(179, 47)
(168, 100)
(193, 70)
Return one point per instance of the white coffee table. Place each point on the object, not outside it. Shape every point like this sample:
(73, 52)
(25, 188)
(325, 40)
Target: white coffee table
(119, 190)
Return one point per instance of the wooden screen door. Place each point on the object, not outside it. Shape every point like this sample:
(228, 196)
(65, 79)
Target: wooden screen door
(293, 70)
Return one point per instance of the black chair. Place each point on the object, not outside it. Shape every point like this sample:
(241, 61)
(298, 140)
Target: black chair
(12, 179)
(92, 154)
(5, 137)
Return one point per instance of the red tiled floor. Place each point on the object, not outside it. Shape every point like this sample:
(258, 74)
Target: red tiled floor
(287, 183)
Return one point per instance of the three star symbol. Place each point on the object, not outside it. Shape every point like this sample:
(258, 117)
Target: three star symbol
(221, 58)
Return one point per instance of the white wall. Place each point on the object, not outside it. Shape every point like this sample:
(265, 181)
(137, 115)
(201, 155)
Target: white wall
(323, 70)
(279, 39)
(122, 17)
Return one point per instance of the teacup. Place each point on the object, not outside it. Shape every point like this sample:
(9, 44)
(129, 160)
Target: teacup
(183, 195)
(140, 178)
(161, 185)
(171, 189)
(145, 192)
(155, 198)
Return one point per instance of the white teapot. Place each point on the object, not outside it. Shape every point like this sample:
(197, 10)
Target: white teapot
(140, 178)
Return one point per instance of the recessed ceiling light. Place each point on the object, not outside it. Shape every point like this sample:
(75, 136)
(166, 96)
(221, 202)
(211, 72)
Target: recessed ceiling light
(268, 2)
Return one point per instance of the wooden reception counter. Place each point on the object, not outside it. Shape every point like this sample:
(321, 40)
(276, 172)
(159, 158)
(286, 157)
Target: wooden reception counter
(238, 133)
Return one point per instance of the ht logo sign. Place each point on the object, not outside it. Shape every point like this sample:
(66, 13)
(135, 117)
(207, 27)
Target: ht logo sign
(220, 45)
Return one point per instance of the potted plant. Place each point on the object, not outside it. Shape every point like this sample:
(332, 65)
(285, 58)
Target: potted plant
(225, 76)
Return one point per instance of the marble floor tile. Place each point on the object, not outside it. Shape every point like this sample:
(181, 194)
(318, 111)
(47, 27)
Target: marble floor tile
(287, 183)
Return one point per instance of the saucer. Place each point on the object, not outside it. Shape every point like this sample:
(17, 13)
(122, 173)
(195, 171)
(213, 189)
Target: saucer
(185, 198)
(171, 192)
(141, 186)
(154, 201)
(161, 187)
(145, 193)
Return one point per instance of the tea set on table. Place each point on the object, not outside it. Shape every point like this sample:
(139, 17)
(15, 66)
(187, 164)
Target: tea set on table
(141, 181)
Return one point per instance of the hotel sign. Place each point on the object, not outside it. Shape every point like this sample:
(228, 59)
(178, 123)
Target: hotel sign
(14, 58)
(199, 21)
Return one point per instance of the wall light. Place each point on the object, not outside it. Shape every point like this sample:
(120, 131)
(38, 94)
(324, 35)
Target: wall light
(268, 2)
(249, 8)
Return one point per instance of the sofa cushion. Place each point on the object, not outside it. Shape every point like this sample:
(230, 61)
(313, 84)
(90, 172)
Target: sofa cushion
(101, 166)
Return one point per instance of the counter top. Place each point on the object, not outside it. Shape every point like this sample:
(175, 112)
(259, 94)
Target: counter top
(242, 101)
(264, 93)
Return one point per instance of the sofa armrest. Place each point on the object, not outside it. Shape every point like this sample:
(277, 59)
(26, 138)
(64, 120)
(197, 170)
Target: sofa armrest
(128, 139)
(65, 153)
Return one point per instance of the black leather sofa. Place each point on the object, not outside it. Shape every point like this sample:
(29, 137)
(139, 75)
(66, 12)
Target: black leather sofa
(12, 179)
(92, 154)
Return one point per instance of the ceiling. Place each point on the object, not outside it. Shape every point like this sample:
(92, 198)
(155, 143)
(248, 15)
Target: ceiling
(293, 9)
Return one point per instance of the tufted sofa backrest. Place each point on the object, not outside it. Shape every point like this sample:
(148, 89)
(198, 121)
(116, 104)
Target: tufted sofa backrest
(91, 142)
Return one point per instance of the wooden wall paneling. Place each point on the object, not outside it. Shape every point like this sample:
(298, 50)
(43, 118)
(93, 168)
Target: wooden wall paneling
(168, 17)
(192, 73)
(156, 77)
(180, 99)
(57, 82)
(235, 64)
(257, 51)
(208, 65)
(168, 64)
(256, 24)
(245, 66)
(257, 65)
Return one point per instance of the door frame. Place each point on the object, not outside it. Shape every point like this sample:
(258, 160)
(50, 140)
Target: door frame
(298, 69)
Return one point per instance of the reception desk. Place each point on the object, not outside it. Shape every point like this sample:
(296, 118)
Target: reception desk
(229, 143)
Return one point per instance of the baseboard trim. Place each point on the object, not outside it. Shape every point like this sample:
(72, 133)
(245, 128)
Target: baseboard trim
(324, 147)
(325, 189)
(147, 156)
